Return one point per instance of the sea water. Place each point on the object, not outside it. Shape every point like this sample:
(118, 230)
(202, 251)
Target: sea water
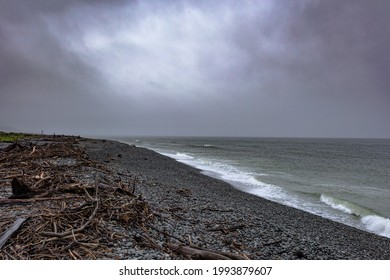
(345, 180)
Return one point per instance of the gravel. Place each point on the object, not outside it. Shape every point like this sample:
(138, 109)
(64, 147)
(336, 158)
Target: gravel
(201, 211)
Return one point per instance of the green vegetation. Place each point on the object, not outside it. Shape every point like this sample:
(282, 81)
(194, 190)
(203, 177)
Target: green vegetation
(13, 136)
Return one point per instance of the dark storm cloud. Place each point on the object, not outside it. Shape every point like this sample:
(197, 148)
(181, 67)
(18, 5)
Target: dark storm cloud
(43, 85)
(246, 68)
(326, 72)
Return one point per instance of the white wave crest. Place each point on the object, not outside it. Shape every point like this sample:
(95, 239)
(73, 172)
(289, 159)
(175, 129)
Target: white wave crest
(248, 182)
(241, 179)
(371, 222)
(377, 224)
(179, 156)
(209, 146)
(332, 202)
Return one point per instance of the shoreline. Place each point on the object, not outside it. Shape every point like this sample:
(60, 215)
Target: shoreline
(197, 211)
(268, 230)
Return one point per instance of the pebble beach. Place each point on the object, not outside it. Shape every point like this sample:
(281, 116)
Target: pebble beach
(211, 214)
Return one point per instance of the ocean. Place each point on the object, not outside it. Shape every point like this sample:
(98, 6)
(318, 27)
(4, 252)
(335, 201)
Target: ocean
(345, 180)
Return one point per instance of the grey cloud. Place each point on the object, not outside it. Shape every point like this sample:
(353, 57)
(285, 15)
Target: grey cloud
(42, 84)
(266, 68)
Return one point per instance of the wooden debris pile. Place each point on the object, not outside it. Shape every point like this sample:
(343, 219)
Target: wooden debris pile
(55, 203)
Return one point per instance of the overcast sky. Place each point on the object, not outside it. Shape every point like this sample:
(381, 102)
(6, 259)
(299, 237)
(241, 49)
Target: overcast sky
(302, 68)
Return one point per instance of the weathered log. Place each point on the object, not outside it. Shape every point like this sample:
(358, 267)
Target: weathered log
(201, 254)
(225, 230)
(20, 190)
(15, 146)
(9, 232)
(4, 201)
(272, 243)
(33, 151)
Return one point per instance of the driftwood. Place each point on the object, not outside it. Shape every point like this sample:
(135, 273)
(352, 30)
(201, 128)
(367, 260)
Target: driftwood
(20, 189)
(201, 254)
(216, 209)
(33, 151)
(8, 233)
(15, 146)
(225, 230)
(272, 242)
(35, 199)
(73, 231)
(76, 206)
(80, 209)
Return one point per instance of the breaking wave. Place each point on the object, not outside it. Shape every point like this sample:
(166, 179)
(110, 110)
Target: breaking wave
(372, 222)
(345, 206)
(247, 181)
(207, 146)
(179, 156)
(223, 159)
(377, 224)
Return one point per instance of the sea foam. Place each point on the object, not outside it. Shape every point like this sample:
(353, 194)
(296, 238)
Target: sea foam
(245, 181)
(179, 156)
(377, 224)
(226, 171)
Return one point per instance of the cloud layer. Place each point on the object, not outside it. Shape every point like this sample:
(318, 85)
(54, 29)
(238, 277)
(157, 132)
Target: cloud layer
(238, 68)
